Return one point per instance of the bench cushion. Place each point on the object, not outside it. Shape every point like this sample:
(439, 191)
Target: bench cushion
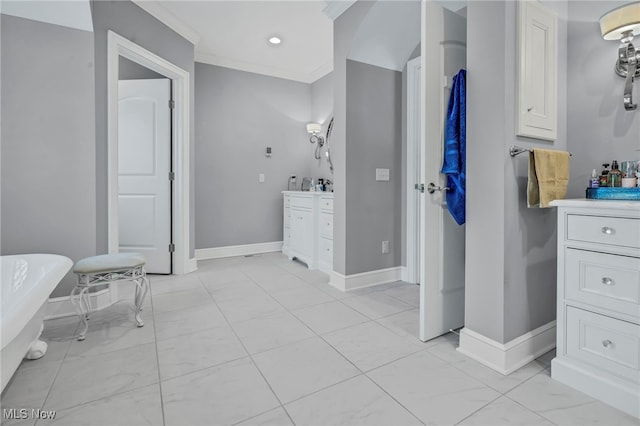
(109, 263)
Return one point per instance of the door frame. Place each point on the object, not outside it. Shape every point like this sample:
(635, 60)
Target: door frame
(119, 46)
(414, 133)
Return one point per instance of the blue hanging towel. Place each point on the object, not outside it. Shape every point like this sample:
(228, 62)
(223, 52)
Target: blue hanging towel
(455, 141)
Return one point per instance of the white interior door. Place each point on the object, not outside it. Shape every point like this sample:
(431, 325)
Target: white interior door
(442, 240)
(144, 163)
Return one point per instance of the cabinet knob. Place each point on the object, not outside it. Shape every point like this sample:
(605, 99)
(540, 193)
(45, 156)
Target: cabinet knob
(607, 281)
(607, 343)
(529, 109)
(606, 230)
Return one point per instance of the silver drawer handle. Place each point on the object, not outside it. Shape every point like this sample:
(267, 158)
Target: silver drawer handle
(607, 343)
(606, 230)
(607, 281)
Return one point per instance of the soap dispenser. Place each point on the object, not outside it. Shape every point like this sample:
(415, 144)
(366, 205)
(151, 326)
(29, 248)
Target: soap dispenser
(615, 175)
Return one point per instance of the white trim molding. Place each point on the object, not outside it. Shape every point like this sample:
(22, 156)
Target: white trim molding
(365, 279)
(120, 46)
(192, 266)
(507, 357)
(414, 172)
(159, 12)
(240, 250)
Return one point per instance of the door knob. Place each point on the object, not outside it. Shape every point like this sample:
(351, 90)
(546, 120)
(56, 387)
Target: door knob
(431, 188)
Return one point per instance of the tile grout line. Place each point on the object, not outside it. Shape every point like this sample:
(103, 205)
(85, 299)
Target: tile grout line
(53, 382)
(255, 365)
(362, 372)
(155, 343)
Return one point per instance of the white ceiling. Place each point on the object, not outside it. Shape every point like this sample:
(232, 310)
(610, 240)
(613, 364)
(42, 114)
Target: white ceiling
(234, 34)
(388, 34)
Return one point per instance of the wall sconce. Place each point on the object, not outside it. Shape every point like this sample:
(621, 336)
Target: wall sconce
(315, 129)
(623, 23)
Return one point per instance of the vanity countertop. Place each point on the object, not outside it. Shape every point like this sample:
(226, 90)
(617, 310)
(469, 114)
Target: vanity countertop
(606, 204)
(308, 192)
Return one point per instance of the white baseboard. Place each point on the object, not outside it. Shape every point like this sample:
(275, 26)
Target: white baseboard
(192, 266)
(404, 273)
(365, 279)
(507, 357)
(621, 394)
(242, 250)
(60, 307)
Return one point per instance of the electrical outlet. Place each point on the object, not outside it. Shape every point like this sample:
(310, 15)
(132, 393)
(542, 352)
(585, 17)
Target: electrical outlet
(261, 178)
(385, 247)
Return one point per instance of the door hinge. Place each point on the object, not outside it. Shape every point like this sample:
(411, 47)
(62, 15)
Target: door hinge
(172, 176)
(172, 104)
(172, 248)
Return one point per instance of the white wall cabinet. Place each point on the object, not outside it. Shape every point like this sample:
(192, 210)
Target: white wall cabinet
(598, 322)
(308, 228)
(537, 71)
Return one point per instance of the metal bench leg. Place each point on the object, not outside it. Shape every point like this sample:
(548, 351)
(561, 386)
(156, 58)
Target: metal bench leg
(142, 286)
(80, 300)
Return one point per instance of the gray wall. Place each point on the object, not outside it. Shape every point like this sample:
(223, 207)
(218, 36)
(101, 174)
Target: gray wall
(344, 29)
(129, 70)
(600, 130)
(48, 141)
(239, 114)
(132, 23)
(511, 250)
(374, 140)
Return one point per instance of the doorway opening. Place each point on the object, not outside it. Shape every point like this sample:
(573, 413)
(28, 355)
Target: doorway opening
(118, 47)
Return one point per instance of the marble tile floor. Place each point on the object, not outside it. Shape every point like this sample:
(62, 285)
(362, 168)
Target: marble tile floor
(262, 340)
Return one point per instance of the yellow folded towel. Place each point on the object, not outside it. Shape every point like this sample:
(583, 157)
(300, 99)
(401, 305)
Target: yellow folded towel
(548, 177)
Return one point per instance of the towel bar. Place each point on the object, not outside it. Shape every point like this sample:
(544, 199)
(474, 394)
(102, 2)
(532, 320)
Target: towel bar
(516, 150)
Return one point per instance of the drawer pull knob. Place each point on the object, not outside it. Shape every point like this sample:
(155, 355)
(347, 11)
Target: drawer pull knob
(606, 230)
(607, 343)
(607, 281)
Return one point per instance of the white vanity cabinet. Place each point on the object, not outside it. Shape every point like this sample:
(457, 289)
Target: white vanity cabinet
(308, 228)
(598, 317)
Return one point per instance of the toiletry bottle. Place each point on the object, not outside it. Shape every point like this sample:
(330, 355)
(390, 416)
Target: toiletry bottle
(595, 180)
(615, 175)
(604, 175)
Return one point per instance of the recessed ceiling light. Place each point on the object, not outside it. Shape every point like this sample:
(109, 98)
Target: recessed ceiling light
(275, 40)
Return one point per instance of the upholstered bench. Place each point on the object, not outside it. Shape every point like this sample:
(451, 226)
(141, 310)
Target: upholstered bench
(106, 269)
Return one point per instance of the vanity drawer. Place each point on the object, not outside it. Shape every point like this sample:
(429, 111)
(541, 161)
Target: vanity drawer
(606, 343)
(302, 201)
(603, 280)
(617, 231)
(326, 225)
(287, 201)
(326, 250)
(326, 203)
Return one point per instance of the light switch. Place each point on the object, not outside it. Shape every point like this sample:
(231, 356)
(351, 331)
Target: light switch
(382, 174)
(261, 178)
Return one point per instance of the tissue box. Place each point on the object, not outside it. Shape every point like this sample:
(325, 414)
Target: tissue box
(614, 193)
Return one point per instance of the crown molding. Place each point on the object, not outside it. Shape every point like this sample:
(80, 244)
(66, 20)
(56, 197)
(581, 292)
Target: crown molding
(156, 10)
(211, 59)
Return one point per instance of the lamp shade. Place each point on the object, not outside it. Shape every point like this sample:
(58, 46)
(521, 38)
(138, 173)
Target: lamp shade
(314, 128)
(620, 20)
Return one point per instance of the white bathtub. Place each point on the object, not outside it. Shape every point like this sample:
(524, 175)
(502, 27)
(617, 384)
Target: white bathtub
(27, 282)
